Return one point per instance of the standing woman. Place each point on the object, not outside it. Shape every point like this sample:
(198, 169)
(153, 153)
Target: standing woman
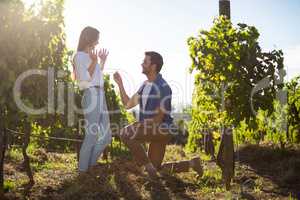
(89, 75)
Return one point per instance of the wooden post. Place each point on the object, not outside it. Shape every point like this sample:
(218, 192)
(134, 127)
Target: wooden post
(78, 144)
(26, 163)
(2, 156)
(225, 157)
(209, 147)
(224, 8)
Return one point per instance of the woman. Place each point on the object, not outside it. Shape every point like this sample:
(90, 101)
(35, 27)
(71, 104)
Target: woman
(89, 75)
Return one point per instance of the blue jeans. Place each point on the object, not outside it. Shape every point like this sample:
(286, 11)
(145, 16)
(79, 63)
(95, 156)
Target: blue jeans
(97, 127)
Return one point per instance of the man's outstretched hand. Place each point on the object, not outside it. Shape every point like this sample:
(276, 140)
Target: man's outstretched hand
(118, 78)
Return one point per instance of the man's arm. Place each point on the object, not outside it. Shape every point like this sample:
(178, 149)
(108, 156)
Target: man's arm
(127, 102)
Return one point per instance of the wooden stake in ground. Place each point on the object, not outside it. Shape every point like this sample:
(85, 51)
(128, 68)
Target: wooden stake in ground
(3, 145)
(209, 145)
(26, 162)
(225, 158)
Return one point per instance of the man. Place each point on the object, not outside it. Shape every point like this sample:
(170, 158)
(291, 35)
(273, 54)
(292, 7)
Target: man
(155, 121)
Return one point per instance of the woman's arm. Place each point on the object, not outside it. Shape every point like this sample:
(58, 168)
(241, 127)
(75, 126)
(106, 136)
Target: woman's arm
(94, 58)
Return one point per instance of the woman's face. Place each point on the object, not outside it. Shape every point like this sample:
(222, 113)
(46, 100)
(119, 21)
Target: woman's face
(95, 43)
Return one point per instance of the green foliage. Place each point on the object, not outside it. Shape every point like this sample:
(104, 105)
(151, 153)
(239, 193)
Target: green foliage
(9, 185)
(293, 92)
(271, 127)
(229, 62)
(230, 74)
(242, 133)
(119, 117)
(277, 123)
(205, 117)
(35, 39)
(279, 126)
(30, 40)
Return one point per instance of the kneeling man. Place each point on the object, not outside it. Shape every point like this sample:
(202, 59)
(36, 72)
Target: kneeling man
(155, 122)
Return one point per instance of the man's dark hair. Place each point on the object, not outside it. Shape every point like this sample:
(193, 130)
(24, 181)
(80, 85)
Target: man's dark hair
(156, 58)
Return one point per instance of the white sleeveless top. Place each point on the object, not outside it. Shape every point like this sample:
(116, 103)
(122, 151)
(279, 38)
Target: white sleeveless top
(82, 62)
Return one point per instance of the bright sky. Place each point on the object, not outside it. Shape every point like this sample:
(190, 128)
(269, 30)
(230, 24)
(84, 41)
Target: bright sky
(129, 28)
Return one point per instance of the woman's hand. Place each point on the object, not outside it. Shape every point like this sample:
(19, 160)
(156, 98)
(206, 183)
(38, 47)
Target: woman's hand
(93, 55)
(103, 53)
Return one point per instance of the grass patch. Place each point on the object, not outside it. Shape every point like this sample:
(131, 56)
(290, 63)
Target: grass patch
(9, 185)
(119, 177)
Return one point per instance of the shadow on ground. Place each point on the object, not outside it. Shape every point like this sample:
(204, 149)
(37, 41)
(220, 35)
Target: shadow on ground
(282, 167)
(119, 180)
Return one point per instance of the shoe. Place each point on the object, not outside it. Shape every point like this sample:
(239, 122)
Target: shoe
(195, 164)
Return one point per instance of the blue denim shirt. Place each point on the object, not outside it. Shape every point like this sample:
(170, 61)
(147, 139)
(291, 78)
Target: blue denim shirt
(160, 96)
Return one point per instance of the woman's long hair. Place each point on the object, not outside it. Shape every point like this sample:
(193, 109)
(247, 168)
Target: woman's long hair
(88, 36)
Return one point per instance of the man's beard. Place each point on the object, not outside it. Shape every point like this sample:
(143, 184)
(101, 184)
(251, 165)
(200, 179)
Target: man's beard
(144, 71)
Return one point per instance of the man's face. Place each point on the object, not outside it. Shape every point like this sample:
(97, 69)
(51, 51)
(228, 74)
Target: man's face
(147, 66)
